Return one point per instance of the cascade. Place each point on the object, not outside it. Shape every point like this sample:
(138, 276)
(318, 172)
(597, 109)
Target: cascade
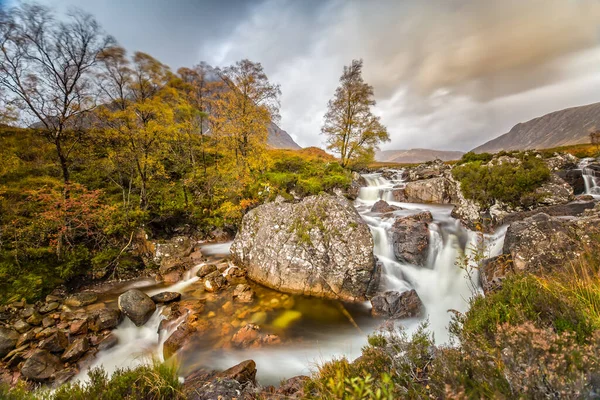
(591, 177)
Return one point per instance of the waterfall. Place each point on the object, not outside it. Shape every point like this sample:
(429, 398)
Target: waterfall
(591, 177)
(441, 284)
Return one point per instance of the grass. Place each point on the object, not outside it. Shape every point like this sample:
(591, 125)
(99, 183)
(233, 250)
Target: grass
(578, 150)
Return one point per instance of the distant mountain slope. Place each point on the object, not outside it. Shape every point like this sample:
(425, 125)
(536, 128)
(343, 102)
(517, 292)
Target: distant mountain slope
(280, 139)
(560, 128)
(416, 155)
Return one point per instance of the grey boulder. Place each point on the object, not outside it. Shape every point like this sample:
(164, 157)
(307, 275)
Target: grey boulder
(137, 306)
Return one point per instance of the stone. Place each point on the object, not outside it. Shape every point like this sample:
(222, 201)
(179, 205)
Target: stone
(172, 277)
(78, 327)
(555, 191)
(21, 326)
(76, 350)
(105, 318)
(218, 389)
(16, 356)
(215, 282)
(108, 342)
(8, 340)
(177, 339)
(318, 247)
(245, 336)
(25, 338)
(81, 299)
(178, 248)
(137, 306)
(46, 308)
(383, 207)
(399, 195)
(572, 209)
(41, 366)
(48, 321)
(28, 312)
(574, 177)
(166, 297)
(243, 293)
(35, 318)
(286, 318)
(493, 271)
(56, 343)
(63, 376)
(205, 270)
(395, 305)
(410, 238)
(438, 190)
(293, 387)
(428, 170)
(244, 372)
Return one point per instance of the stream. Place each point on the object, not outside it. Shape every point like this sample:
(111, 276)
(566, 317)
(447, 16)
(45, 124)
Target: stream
(318, 329)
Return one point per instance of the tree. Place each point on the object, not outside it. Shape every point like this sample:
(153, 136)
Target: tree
(47, 70)
(242, 111)
(351, 128)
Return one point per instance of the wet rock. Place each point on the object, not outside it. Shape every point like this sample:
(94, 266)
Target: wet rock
(574, 177)
(35, 319)
(177, 339)
(435, 190)
(358, 181)
(137, 306)
(46, 332)
(244, 372)
(410, 238)
(319, 247)
(493, 271)
(205, 270)
(286, 318)
(13, 358)
(48, 321)
(56, 343)
(383, 207)
(41, 366)
(78, 327)
(166, 297)
(293, 387)
(46, 308)
(63, 376)
(8, 340)
(76, 350)
(21, 326)
(81, 299)
(108, 342)
(172, 277)
(245, 336)
(25, 338)
(243, 293)
(399, 195)
(395, 305)
(104, 319)
(571, 209)
(215, 282)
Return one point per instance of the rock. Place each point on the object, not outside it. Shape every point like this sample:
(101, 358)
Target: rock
(410, 238)
(555, 191)
(216, 389)
(318, 247)
(561, 161)
(215, 282)
(21, 326)
(205, 270)
(166, 297)
(76, 350)
(172, 277)
(35, 319)
(16, 356)
(245, 336)
(177, 339)
(78, 327)
(137, 306)
(56, 343)
(41, 366)
(574, 177)
(493, 271)
(358, 181)
(48, 321)
(399, 195)
(105, 318)
(244, 372)
(25, 338)
(108, 342)
(392, 304)
(243, 293)
(293, 387)
(383, 207)
(49, 307)
(286, 318)
(572, 209)
(63, 376)
(435, 190)
(8, 340)
(178, 248)
(428, 170)
(81, 299)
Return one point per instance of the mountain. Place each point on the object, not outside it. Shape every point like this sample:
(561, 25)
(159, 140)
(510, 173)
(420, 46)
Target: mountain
(280, 139)
(416, 155)
(560, 128)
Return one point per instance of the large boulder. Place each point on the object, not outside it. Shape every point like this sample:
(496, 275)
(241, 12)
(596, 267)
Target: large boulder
(358, 182)
(318, 247)
(555, 191)
(438, 190)
(383, 207)
(137, 306)
(395, 305)
(41, 366)
(8, 340)
(574, 177)
(410, 238)
(432, 169)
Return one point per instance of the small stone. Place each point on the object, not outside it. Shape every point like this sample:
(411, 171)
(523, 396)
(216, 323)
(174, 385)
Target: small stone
(244, 372)
(76, 350)
(110, 341)
(56, 343)
(286, 319)
(40, 366)
(49, 307)
(35, 319)
(166, 297)
(8, 340)
(25, 338)
(258, 317)
(78, 327)
(245, 336)
(227, 307)
(21, 326)
(211, 314)
(81, 299)
(48, 321)
(205, 270)
(28, 312)
(104, 319)
(243, 293)
(51, 298)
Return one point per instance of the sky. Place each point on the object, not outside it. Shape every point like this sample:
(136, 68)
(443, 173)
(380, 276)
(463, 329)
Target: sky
(447, 74)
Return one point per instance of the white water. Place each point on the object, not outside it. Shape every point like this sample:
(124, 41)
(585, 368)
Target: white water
(590, 177)
(441, 285)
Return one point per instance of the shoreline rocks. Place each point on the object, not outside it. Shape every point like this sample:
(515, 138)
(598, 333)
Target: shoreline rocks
(410, 238)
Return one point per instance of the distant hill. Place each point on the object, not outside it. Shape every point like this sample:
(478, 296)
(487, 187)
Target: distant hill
(280, 139)
(416, 155)
(560, 128)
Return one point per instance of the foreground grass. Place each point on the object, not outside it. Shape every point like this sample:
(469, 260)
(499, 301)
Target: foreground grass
(153, 382)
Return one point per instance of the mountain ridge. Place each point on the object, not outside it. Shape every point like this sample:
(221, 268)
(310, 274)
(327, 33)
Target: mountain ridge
(417, 155)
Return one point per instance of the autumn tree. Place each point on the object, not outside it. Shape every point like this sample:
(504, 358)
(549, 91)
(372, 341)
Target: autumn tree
(242, 111)
(47, 70)
(352, 130)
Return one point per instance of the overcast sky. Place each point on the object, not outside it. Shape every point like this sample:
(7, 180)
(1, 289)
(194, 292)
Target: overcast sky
(448, 74)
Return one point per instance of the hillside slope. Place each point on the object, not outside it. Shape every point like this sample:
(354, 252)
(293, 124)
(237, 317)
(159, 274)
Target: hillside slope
(416, 155)
(280, 139)
(560, 128)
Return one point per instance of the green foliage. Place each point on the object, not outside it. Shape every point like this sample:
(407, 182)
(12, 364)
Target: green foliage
(153, 382)
(474, 157)
(511, 183)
